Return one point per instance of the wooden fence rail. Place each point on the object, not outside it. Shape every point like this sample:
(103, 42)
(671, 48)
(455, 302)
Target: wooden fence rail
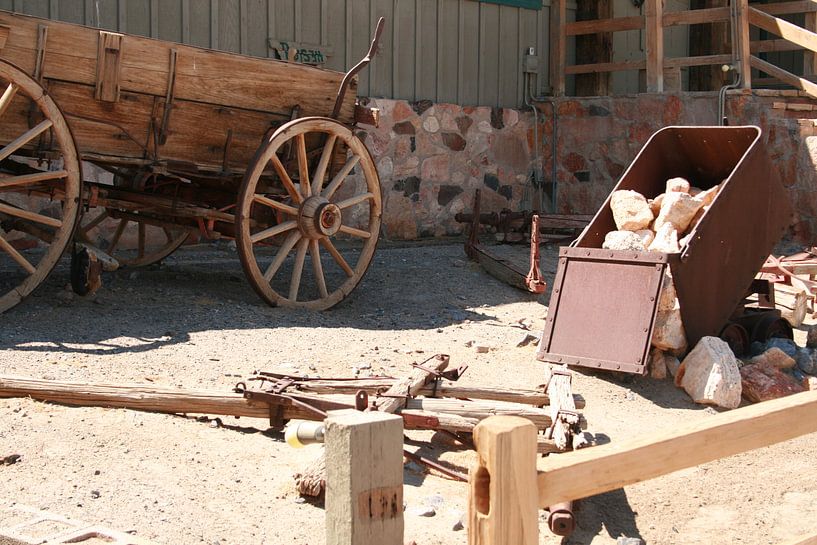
(506, 447)
(655, 20)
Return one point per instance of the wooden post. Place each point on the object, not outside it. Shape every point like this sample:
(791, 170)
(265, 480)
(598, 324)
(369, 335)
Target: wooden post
(594, 48)
(654, 13)
(809, 57)
(364, 478)
(502, 503)
(558, 46)
(742, 46)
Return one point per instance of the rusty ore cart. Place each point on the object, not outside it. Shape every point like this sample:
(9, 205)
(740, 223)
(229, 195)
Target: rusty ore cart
(130, 145)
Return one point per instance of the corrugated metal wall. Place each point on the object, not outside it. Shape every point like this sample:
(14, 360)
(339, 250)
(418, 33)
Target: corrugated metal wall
(460, 51)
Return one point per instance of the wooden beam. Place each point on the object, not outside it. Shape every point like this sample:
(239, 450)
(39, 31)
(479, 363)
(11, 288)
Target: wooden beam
(809, 57)
(605, 67)
(784, 29)
(788, 8)
(588, 472)
(597, 26)
(742, 48)
(766, 46)
(703, 60)
(558, 46)
(502, 501)
(654, 13)
(784, 76)
(696, 16)
(364, 478)
(594, 48)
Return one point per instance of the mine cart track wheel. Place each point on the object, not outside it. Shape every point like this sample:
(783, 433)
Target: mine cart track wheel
(132, 239)
(317, 210)
(30, 120)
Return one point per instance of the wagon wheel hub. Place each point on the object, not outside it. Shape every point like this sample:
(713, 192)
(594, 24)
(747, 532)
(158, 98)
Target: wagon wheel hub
(319, 218)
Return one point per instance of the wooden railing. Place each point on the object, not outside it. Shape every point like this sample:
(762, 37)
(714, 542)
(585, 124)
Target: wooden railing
(655, 20)
(507, 490)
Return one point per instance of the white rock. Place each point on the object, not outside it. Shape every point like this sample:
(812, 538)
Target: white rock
(711, 374)
(647, 236)
(684, 241)
(623, 240)
(677, 185)
(658, 366)
(697, 218)
(677, 209)
(666, 240)
(695, 191)
(668, 333)
(631, 211)
(668, 298)
(655, 204)
(706, 197)
(431, 124)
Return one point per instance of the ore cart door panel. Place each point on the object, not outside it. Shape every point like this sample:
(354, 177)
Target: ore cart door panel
(602, 309)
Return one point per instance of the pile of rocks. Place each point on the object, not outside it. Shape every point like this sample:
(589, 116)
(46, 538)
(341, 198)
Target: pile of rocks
(711, 373)
(662, 224)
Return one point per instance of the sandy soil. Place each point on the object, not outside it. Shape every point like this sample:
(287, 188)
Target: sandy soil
(193, 322)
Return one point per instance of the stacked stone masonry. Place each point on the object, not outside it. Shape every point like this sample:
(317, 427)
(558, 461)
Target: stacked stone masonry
(432, 157)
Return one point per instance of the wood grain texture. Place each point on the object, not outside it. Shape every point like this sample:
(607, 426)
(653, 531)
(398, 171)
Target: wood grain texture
(364, 478)
(654, 14)
(502, 508)
(588, 472)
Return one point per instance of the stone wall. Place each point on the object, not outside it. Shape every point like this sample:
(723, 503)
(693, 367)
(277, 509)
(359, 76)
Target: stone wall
(431, 157)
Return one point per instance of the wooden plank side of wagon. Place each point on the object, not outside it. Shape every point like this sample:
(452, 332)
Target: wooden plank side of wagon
(202, 75)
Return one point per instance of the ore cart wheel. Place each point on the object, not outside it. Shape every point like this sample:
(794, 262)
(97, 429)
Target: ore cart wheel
(40, 185)
(330, 216)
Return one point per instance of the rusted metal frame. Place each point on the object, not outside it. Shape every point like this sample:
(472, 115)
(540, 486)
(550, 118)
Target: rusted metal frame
(435, 466)
(347, 79)
(169, 97)
(534, 280)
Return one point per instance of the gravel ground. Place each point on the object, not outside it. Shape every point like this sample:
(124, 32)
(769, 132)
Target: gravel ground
(193, 322)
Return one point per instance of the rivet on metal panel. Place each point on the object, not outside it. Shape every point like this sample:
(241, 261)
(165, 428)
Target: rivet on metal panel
(612, 254)
(556, 290)
(578, 361)
(562, 261)
(638, 360)
(658, 267)
(618, 367)
(560, 359)
(598, 364)
(588, 253)
(646, 329)
(652, 299)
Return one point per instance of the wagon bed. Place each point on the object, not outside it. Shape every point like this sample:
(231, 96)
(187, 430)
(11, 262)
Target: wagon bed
(190, 141)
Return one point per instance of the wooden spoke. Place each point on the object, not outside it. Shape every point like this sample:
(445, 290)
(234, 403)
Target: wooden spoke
(282, 254)
(303, 166)
(326, 156)
(16, 256)
(317, 267)
(286, 181)
(340, 177)
(272, 231)
(93, 223)
(141, 241)
(357, 199)
(8, 96)
(360, 233)
(25, 138)
(26, 179)
(285, 208)
(298, 269)
(32, 216)
(337, 257)
(117, 235)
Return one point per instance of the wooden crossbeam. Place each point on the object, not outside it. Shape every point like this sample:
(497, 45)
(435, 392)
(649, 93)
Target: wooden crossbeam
(701, 60)
(784, 29)
(788, 8)
(784, 76)
(588, 472)
(696, 16)
(605, 67)
(597, 26)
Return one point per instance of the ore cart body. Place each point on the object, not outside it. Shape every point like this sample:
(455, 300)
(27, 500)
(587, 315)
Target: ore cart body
(129, 145)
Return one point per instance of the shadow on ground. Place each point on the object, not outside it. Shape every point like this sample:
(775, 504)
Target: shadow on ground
(427, 287)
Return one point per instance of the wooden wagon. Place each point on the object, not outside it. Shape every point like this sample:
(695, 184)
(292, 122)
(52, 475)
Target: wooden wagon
(167, 137)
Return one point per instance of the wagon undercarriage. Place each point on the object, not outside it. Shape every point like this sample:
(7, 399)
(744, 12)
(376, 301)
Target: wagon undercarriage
(167, 164)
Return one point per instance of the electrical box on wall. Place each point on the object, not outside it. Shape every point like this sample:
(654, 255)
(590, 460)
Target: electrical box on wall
(530, 63)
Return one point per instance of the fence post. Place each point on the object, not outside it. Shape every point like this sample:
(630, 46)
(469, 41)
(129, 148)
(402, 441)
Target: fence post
(654, 15)
(503, 497)
(364, 478)
(558, 46)
(742, 47)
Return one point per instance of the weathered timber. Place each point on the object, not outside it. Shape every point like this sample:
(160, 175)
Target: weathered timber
(562, 410)
(596, 470)
(502, 507)
(312, 481)
(445, 388)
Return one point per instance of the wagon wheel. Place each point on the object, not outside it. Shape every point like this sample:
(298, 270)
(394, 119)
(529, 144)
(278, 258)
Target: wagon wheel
(132, 239)
(318, 218)
(39, 198)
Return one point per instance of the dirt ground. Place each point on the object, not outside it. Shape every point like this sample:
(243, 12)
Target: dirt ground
(193, 322)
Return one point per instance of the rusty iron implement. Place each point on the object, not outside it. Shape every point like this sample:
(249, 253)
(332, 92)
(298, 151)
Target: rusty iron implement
(604, 302)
